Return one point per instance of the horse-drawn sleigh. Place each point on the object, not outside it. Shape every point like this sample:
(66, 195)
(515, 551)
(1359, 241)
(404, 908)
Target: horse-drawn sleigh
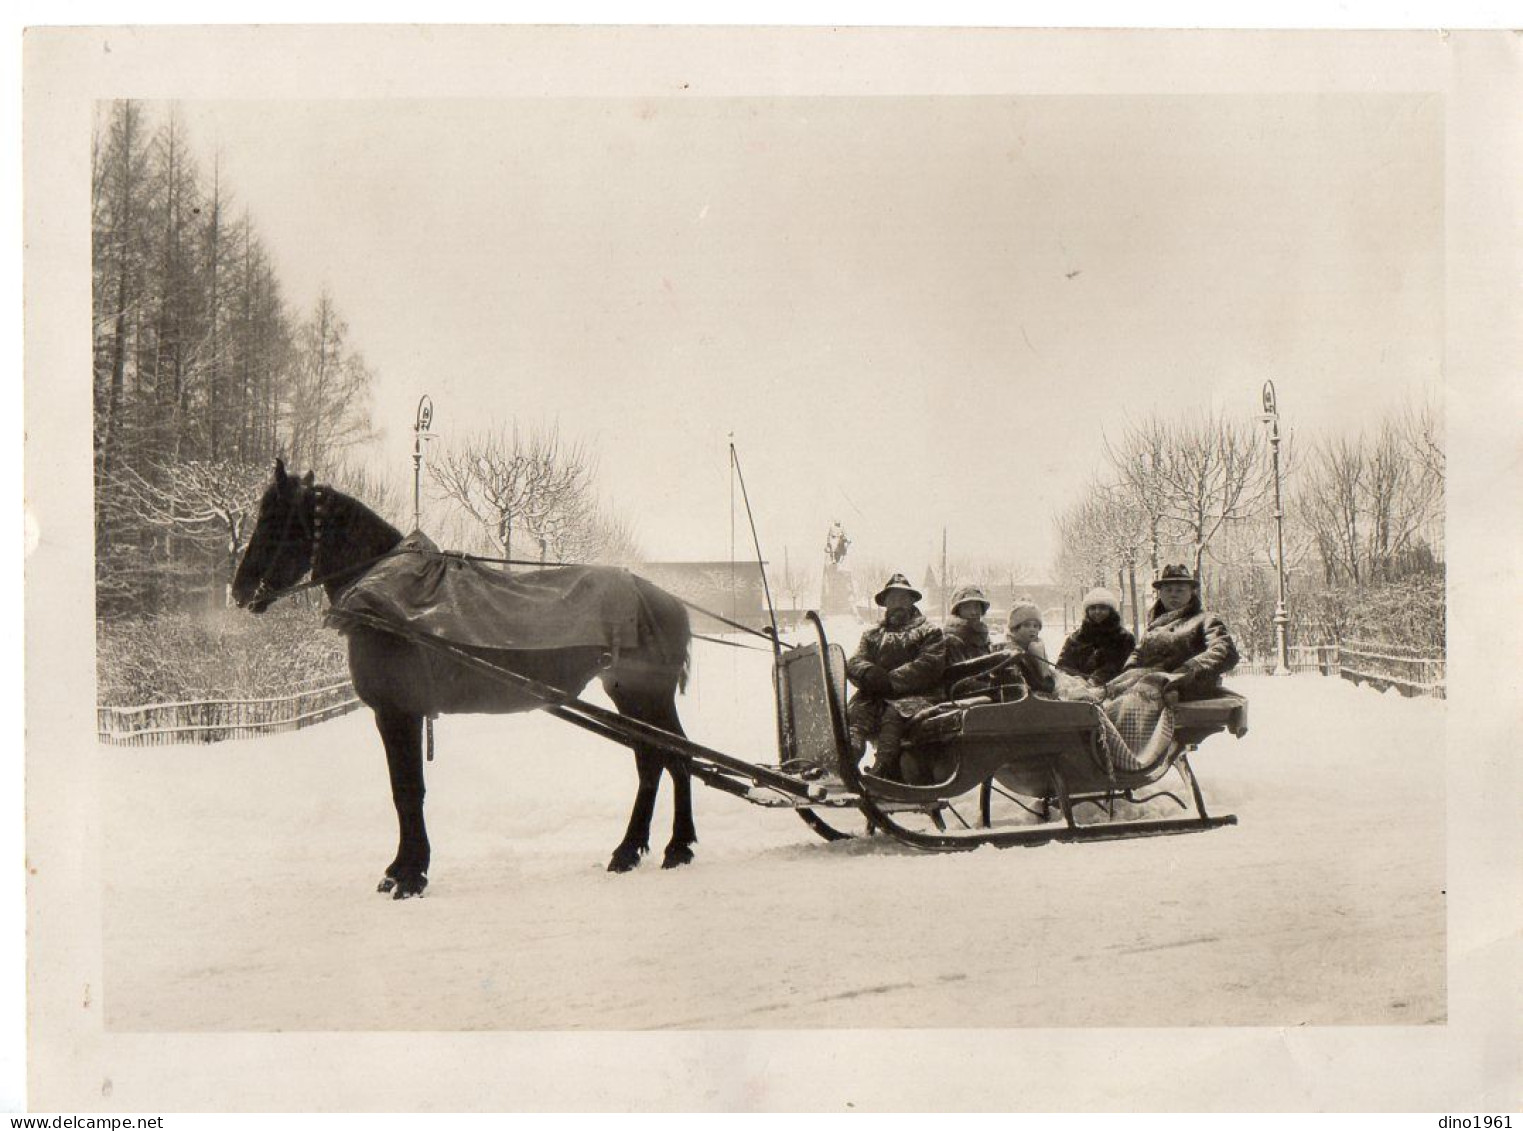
(431, 633)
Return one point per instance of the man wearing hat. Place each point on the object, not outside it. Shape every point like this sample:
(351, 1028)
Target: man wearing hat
(1191, 646)
(1101, 645)
(897, 671)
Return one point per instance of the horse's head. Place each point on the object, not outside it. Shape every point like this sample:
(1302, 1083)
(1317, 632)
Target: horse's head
(279, 552)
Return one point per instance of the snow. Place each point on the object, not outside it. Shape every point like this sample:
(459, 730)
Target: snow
(240, 888)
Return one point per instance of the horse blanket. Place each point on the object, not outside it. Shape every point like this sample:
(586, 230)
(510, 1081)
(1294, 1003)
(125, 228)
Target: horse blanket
(420, 589)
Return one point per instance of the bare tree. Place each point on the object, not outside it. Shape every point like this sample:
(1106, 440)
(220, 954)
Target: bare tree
(205, 501)
(1369, 504)
(1138, 460)
(1422, 430)
(795, 580)
(380, 492)
(1101, 536)
(528, 486)
(1194, 476)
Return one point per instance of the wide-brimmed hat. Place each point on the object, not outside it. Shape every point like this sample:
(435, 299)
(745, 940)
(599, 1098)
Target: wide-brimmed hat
(1176, 574)
(898, 581)
(969, 593)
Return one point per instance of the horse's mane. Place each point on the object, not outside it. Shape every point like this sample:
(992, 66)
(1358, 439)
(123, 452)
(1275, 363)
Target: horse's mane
(352, 531)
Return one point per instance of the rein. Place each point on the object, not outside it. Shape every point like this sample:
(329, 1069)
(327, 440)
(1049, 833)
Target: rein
(312, 583)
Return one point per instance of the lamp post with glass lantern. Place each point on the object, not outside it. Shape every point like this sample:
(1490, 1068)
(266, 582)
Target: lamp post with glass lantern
(1271, 416)
(420, 433)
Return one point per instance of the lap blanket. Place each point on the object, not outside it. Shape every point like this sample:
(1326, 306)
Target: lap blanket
(1137, 727)
(467, 603)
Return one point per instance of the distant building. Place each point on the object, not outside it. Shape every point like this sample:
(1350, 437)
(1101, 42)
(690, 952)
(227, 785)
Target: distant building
(732, 591)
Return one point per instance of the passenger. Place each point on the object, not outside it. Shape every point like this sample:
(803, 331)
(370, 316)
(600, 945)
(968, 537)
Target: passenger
(897, 669)
(1031, 661)
(1191, 646)
(1100, 646)
(967, 633)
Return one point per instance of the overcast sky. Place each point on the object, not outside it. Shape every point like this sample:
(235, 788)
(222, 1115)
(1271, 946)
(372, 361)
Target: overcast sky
(911, 312)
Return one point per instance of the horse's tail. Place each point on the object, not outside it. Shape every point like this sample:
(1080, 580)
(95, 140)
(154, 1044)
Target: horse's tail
(671, 630)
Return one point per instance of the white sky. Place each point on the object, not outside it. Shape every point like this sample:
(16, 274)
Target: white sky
(911, 312)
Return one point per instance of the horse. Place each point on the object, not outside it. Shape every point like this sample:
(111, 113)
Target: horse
(304, 527)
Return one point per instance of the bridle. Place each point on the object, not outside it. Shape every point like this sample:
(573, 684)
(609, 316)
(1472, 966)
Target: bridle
(313, 535)
(264, 591)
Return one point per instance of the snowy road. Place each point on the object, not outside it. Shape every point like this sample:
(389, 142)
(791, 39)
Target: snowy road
(240, 889)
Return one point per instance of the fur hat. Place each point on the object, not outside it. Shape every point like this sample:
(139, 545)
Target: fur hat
(1025, 610)
(967, 594)
(1176, 575)
(898, 581)
(1101, 596)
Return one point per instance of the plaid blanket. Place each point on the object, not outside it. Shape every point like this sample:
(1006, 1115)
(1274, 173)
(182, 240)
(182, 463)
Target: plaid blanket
(1137, 728)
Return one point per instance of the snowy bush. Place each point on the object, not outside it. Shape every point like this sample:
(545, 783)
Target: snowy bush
(221, 654)
(1407, 613)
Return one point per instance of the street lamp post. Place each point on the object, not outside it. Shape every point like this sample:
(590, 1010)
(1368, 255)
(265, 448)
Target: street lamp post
(1271, 416)
(420, 433)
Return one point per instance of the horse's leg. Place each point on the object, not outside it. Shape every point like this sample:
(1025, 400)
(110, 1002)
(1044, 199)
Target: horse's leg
(407, 875)
(649, 707)
(679, 850)
(636, 840)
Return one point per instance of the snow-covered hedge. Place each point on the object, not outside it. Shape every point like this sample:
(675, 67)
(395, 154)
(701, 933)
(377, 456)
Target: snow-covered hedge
(224, 654)
(1409, 613)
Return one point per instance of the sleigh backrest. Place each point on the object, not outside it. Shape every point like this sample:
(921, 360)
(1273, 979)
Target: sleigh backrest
(811, 712)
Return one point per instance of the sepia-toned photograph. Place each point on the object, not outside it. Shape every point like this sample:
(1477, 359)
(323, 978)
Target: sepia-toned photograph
(863, 565)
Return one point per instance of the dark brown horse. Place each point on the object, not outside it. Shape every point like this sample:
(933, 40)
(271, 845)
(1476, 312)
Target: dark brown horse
(304, 527)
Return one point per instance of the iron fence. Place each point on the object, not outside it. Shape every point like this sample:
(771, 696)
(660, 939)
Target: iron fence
(1321, 659)
(1387, 665)
(1379, 665)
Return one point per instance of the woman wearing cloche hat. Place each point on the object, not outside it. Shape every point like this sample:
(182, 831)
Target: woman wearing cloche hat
(897, 671)
(1182, 640)
(1101, 644)
(967, 631)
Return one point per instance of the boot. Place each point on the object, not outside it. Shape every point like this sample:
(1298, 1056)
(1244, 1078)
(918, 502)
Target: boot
(886, 757)
(885, 765)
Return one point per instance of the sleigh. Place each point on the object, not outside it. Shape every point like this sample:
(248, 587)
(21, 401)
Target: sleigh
(1001, 745)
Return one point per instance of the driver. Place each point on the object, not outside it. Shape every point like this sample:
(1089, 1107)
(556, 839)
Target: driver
(897, 670)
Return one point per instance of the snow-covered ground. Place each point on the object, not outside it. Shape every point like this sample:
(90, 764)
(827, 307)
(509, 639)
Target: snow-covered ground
(240, 888)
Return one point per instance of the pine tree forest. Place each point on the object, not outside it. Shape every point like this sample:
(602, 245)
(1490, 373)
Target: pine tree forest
(203, 371)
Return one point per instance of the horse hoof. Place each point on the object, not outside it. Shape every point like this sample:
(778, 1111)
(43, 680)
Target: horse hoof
(406, 887)
(624, 860)
(678, 856)
(386, 884)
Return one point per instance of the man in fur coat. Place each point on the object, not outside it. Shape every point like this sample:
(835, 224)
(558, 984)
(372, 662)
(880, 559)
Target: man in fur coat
(1191, 646)
(897, 670)
(1099, 648)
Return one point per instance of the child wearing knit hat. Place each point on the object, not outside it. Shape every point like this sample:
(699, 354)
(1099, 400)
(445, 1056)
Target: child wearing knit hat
(1031, 658)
